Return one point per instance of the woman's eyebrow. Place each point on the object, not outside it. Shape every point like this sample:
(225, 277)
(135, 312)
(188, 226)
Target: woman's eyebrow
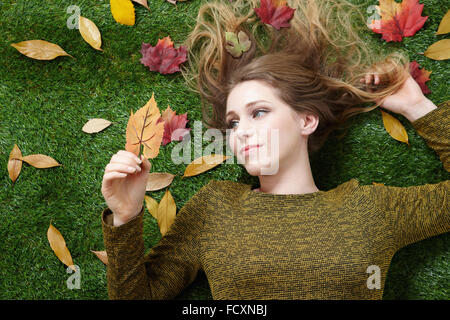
(250, 104)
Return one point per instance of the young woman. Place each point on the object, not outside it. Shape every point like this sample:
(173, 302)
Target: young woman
(286, 239)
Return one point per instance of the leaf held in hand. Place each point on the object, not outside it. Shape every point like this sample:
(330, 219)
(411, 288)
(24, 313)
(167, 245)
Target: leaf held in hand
(172, 123)
(420, 75)
(144, 129)
(444, 26)
(90, 33)
(95, 125)
(236, 45)
(158, 180)
(167, 210)
(394, 127)
(39, 161)
(439, 50)
(398, 20)
(123, 11)
(102, 255)
(58, 245)
(163, 58)
(14, 165)
(203, 164)
(275, 13)
(40, 49)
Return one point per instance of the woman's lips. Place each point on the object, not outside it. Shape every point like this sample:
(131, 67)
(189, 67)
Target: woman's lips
(247, 149)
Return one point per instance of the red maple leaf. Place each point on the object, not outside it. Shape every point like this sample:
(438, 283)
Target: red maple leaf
(173, 122)
(398, 20)
(275, 13)
(163, 58)
(420, 75)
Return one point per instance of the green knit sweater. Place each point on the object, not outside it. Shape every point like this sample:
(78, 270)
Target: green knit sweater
(333, 244)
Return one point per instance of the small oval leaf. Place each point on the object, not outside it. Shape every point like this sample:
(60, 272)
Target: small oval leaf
(203, 164)
(159, 180)
(14, 165)
(394, 127)
(40, 161)
(102, 255)
(439, 50)
(444, 26)
(90, 33)
(167, 210)
(58, 245)
(152, 206)
(95, 125)
(40, 49)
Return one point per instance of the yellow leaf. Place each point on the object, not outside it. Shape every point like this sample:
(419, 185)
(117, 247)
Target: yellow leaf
(90, 33)
(158, 180)
(394, 127)
(102, 255)
(58, 245)
(439, 50)
(152, 206)
(14, 165)
(40, 49)
(95, 125)
(39, 161)
(377, 183)
(145, 129)
(123, 11)
(203, 164)
(444, 26)
(167, 210)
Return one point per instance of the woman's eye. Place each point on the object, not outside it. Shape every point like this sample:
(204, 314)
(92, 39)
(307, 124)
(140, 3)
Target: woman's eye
(230, 124)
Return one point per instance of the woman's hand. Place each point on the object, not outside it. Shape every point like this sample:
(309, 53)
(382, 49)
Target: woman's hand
(124, 184)
(408, 101)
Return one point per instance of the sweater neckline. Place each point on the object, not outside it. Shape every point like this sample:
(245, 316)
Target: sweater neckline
(250, 193)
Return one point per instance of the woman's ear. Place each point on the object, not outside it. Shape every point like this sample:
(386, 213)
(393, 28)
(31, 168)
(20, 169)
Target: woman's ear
(308, 122)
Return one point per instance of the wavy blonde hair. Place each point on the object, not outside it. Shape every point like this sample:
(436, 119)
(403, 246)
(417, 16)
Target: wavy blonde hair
(315, 65)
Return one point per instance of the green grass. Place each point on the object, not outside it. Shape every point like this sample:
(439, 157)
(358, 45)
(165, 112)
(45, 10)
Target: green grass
(44, 105)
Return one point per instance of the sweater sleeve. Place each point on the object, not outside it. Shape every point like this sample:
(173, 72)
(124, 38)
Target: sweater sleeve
(170, 266)
(419, 212)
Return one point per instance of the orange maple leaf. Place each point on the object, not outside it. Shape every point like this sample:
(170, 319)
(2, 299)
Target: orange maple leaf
(398, 20)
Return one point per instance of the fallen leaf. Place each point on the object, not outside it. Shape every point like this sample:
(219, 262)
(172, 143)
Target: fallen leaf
(95, 125)
(58, 245)
(123, 11)
(420, 75)
(444, 26)
(39, 161)
(237, 44)
(394, 127)
(90, 33)
(152, 206)
(439, 50)
(102, 255)
(173, 122)
(167, 210)
(14, 165)
(203, 164)
(144, 129)
(142, 2)
(158, 180)
(275, 13)
(40, 49)
(377, 183)
(398, 20)
(163, 58)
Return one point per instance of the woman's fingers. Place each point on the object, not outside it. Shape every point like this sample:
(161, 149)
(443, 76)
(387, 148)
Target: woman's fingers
(368, 78)
(130, 155)
(121, 167)
(124, 160)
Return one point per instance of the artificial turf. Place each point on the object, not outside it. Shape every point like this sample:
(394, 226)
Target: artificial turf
(44, 105)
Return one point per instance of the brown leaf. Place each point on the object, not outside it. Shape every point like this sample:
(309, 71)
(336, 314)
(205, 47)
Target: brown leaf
(158, 180)
(203, 164)
(95, 125)
(152, 206)
(444, 26)
(394, 127)
(14, 165)
(377, 183)
(90, 33)
(39, 161)
(101, 255)
(40, 49)
(144, 129)
(167, 210)
(142, 2)
(439, 50)
(58, 245)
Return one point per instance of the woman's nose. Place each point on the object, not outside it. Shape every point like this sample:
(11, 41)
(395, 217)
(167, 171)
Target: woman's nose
(245, 130)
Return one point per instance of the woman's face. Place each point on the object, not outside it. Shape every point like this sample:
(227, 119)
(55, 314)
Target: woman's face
(256, 116)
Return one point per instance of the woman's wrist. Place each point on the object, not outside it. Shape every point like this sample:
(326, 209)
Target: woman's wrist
(419, 109)
(118, 222)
